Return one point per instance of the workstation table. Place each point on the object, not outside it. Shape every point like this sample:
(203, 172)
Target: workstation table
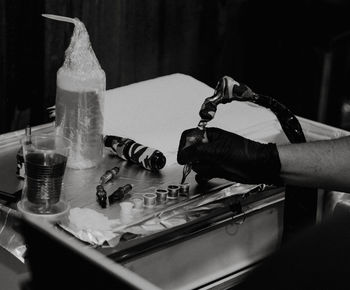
(216, 249)
(222, 244)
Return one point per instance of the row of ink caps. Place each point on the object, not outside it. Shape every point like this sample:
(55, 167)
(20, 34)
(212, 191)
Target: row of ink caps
(161, 196)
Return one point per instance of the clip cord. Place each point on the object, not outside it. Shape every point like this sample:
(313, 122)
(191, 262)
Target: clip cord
(289, 123)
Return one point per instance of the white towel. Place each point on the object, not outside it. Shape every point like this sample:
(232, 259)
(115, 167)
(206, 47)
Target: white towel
(155, 112)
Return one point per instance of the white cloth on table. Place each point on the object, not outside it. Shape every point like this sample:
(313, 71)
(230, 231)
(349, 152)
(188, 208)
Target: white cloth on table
(155, 112)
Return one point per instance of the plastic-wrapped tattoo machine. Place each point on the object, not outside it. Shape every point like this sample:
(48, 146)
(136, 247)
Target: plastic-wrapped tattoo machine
(127, 149)
(81, 84)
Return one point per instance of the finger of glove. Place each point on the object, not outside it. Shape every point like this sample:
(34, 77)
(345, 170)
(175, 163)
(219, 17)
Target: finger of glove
(210, 171)
(187, 155)
(201, 180)
(181, 155)
(184, 137)
(214, 152)
(215, 133)
(200, 152)
(207, 171)
(187, 138)
(229, 148)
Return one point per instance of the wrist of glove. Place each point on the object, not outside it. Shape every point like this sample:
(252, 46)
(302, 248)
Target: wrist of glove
(231, 156)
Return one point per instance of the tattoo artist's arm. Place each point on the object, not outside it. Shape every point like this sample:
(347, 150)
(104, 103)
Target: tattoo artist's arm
(323, 164)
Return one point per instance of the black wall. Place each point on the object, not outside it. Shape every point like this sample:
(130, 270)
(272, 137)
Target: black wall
(275, 47)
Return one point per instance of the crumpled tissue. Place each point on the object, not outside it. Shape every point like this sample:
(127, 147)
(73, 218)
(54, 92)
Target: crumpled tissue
(91, 226)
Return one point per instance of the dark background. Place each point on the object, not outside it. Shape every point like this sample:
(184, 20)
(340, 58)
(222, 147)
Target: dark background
(296, 51)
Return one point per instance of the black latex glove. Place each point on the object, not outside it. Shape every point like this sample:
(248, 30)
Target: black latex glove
(230, 156)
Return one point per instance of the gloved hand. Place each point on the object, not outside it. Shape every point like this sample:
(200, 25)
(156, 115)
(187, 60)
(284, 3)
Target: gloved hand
(230, 156)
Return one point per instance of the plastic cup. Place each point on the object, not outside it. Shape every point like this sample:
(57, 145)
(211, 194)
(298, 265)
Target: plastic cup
(45, 159)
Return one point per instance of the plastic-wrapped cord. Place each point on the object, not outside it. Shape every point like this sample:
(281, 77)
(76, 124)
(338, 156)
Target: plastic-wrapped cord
(289, 123)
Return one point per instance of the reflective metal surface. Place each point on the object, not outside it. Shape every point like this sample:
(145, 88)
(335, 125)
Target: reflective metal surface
(199, 251)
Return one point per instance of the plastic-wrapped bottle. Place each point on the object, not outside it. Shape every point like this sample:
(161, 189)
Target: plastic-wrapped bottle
(81, 84)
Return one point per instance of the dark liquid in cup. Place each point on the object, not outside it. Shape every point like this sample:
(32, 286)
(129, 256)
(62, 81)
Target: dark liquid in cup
(44, 178)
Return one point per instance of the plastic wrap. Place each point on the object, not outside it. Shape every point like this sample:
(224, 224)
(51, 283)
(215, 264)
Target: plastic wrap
(10, 236)
(81, 84)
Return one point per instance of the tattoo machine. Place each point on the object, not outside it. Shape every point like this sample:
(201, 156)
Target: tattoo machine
(228, 90)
